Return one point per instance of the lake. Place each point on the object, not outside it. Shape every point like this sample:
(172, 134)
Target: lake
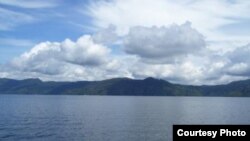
(111, 118)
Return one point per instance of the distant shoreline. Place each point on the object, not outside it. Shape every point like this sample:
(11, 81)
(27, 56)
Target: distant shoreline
(122, 87)
(125, 95)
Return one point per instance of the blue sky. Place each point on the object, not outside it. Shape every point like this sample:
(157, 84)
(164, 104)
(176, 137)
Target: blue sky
(49, 23)
(182, 41)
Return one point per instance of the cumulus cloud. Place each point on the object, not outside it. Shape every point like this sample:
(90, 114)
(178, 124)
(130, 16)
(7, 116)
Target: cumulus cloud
(188, 71)
(149, 52)
(201, 54)
(152, 45)
(240, 54)
(196, 70)
(169, 43)
(67, 60)
(239, 64)
(106, 36)
(82, 52)
(210, 17)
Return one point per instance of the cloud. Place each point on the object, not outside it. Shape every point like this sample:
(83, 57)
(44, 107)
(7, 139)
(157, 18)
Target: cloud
(192, 70)
(208, 17)
(239, 64)
(30, 3)
(164, 43)
(149, 52)
(10, 19)
(137, 39)
(106, 35)
(85, 59)
(203, 14)
(82, 52)
(67, 60)
(240, 54)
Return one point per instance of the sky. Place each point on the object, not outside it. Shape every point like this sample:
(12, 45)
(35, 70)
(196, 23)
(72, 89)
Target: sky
(193, 42)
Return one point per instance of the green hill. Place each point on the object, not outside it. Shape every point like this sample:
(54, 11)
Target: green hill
(122, 86)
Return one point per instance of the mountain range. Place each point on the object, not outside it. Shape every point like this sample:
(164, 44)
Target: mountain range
(122, 86)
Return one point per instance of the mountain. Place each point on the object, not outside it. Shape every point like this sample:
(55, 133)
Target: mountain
(122, 86)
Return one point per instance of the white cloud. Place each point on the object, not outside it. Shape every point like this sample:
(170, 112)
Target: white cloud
(68, 60)
(89, 59)
(82, 52)
(195, 70)
(206, 15)
(85, 59)
(153, 45)
(240, 69)
(164, 43)
(30, 3)
(166, 53)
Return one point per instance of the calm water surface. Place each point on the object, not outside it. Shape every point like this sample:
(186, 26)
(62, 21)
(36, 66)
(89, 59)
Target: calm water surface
(111, 118)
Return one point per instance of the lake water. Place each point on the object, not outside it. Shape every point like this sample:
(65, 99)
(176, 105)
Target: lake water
(111, 118)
